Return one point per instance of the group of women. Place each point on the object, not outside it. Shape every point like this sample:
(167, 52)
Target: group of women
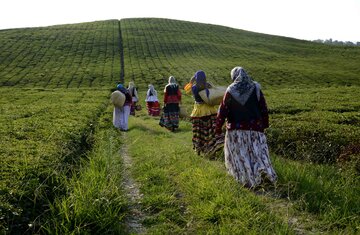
(245, 112)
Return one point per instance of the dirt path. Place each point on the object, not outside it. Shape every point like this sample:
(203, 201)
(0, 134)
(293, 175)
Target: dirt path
(133, 222)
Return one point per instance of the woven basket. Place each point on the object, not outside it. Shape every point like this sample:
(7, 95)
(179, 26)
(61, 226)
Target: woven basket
(117, 99)
(216, 95)
(138, 107)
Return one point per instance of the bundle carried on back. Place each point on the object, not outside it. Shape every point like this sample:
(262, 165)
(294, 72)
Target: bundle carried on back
(117, 99)
(215, 95)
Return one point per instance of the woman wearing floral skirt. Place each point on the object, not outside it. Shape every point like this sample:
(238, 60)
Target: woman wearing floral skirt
(245, 149)
(172, 97)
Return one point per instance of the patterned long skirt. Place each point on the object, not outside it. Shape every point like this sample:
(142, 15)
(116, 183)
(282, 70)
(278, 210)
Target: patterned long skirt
(204, 138)
(170, 116)
(153, 108)
(247, 157)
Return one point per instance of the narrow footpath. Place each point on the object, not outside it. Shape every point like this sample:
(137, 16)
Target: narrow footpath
(133, 222)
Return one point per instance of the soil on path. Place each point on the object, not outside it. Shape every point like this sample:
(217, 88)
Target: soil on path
(133, 222)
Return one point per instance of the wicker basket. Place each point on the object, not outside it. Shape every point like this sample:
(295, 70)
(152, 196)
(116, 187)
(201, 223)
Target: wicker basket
(117, 99)
(138, 107)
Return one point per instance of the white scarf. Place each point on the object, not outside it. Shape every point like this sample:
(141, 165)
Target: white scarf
(242, 86)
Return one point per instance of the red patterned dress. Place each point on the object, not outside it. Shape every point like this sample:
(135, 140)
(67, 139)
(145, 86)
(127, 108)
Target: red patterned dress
(152, 102)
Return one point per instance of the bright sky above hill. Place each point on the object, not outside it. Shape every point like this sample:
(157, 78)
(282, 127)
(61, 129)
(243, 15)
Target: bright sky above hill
(302, 19)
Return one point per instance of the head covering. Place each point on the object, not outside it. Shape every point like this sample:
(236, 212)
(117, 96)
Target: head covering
(151, 90)
(131, 85)
(121, 88)
(200, 83)
(172, 83)
(242, 86)
(172, 80)
(200, 79)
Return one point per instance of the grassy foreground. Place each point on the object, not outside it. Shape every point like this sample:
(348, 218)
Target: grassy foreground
(186, 193)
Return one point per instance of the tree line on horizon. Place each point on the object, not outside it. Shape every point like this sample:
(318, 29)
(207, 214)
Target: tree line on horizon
(336, 42)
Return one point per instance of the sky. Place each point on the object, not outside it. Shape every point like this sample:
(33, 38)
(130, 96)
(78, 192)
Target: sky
(301, 19)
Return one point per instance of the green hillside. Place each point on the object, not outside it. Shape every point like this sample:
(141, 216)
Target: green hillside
(55, 128)
(88, 55)
(65, 56)
(157, 48)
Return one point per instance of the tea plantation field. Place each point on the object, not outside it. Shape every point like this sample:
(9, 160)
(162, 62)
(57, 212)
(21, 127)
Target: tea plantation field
(56, 131)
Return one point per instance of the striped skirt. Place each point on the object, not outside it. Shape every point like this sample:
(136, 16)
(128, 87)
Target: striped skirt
(247, 157)
(170, 116)
(204, 139)
(153, 108)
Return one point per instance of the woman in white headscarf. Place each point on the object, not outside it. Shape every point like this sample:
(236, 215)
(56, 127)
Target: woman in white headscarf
(152, 101)
(172, 97)
(246, 114)
(135, 98)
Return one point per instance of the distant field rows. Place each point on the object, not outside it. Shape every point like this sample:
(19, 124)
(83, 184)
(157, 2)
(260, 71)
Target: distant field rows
(85, 55)
(88, 55)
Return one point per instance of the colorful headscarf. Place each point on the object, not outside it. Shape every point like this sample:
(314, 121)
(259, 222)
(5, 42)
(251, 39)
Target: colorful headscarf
(200, 79)
(242, 86)
(200, 83)
(121, 88)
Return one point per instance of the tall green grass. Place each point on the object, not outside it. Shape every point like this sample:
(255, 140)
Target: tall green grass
(95, 200)
(44, 134)
(322, 190)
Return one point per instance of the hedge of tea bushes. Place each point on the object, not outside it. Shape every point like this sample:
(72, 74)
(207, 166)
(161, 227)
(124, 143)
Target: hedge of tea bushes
(43, 133)
(319, 125)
